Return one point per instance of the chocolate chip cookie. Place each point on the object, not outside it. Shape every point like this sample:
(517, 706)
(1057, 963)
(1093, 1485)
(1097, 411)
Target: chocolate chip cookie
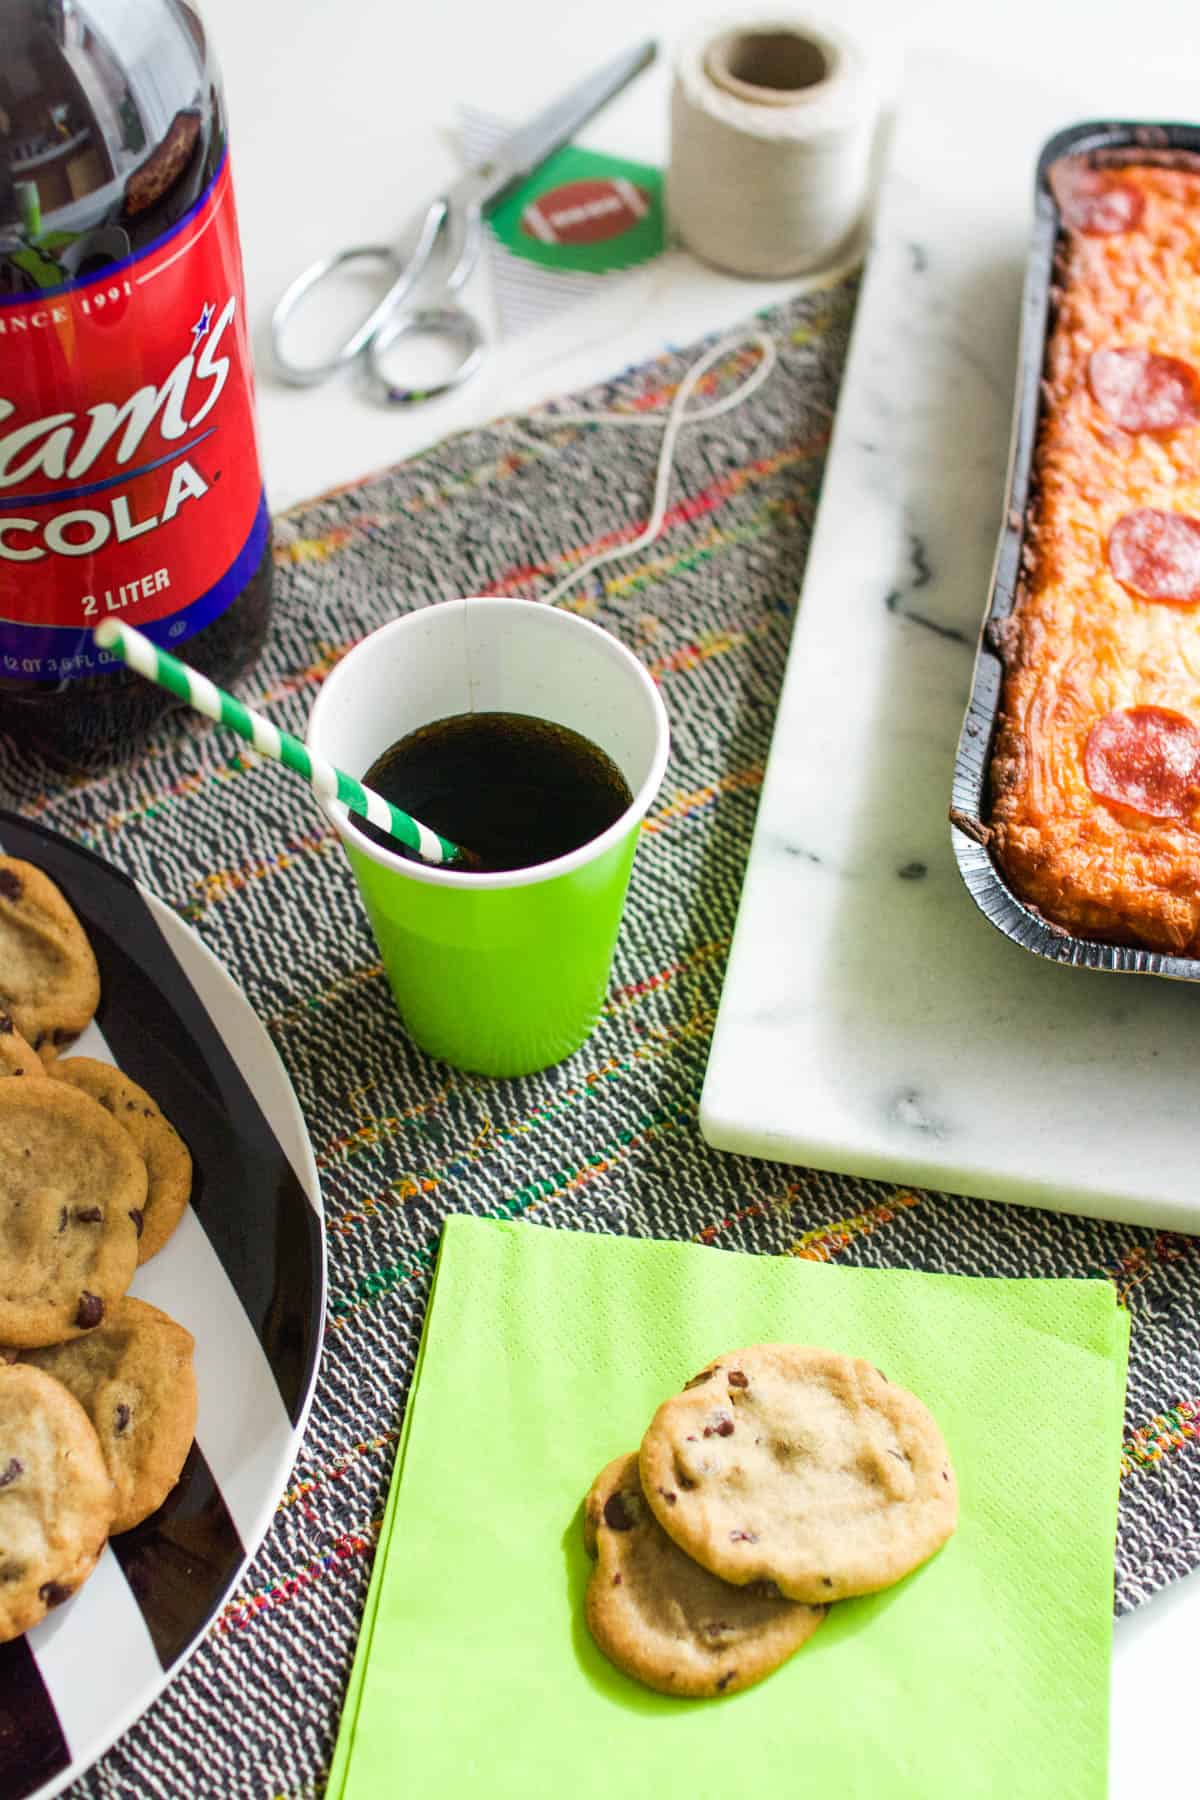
(166, 1156)
(71, 1187)
(665, 1620)
(56, 1497)
(802, 1467)
(49, 981)
(16, 1056)
(134, 1378)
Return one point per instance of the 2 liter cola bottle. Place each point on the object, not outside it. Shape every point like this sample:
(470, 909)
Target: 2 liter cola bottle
(129, 473)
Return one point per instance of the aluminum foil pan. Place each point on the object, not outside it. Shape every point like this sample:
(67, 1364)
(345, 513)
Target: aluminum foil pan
(1103, 143)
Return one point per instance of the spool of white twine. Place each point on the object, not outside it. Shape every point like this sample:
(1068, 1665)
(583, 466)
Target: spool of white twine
(771, 131)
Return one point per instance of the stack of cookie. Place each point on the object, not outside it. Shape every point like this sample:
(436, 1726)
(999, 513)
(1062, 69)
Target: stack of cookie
(97, 1389)
(782, 1478)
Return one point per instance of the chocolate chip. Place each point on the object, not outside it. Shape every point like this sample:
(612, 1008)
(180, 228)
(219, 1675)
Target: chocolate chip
(9, 1475)
(131, 1106)
(148, 1111)
(54, 1592)
(90, 1310)
(945, 1474)
(6, 1024)
(743, 1537)
(764, 1590)
(722, 1426)
(668, 1496)
(617, 1578)
(826, 1581)
(620, 1512)
(138, 1217)
(724, 1680)
(736, 1378)
(89, 1215)
(10, 884)
(704, 1375)
(17, 1071)
(121, 1418)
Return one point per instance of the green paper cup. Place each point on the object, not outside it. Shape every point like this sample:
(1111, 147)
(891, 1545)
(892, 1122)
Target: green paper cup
(501, 974)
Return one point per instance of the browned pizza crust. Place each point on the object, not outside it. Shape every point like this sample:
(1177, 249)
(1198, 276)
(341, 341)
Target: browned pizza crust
(1081, 646)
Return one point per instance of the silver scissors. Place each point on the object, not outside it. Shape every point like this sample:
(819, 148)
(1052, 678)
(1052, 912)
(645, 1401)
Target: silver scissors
(452, 227)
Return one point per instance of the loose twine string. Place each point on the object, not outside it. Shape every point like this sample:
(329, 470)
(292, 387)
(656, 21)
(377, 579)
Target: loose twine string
(678, 418)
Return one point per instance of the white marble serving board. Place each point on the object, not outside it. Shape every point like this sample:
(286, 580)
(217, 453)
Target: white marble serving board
(872, 1021)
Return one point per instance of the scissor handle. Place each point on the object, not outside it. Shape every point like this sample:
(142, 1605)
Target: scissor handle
(409, 268)
(450, 322)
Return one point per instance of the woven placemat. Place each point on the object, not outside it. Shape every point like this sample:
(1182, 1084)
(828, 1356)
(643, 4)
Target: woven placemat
(608, 1141)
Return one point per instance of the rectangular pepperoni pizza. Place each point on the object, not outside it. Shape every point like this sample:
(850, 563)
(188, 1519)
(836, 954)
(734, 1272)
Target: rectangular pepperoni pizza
(1095, 775)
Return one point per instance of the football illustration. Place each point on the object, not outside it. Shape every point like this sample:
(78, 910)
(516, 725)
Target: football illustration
(585, 212)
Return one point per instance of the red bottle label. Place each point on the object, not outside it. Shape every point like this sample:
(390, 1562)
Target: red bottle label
(129, 476)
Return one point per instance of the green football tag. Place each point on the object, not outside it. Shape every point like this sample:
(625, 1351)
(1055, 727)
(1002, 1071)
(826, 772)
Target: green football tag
(584, 212)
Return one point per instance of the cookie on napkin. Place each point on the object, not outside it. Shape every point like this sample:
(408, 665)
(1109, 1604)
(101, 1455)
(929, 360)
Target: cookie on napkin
(988, 1674)
(666, 1621)
(803, 1467)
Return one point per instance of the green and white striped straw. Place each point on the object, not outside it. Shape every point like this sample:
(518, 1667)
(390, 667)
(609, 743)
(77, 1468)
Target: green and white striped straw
(328, 783)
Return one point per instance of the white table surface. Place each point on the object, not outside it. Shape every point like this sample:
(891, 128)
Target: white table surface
(320, 87)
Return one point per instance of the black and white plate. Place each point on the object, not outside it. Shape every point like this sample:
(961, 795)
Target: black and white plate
(245, 1272)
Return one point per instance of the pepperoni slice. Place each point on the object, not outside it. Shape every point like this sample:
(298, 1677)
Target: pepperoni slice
(1095, 201)
(1156, 555)
(1146, 757)
(1142, 391)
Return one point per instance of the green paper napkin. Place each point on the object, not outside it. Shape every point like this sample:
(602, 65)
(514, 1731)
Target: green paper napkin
(544, 1355)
